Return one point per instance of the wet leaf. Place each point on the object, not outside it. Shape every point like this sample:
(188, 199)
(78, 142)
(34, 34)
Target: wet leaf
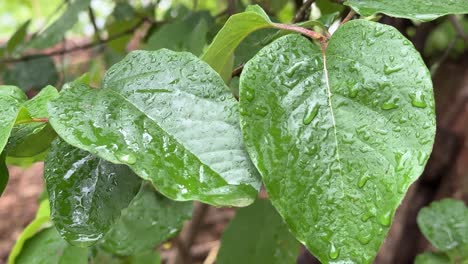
(170, 118)
(11, 98)
(339, 141)
(445, 224)
(148, 257)
(422, 10)
(148, 221)
(56, 31)
(257, 234)
(432, 258)
(48, 247)
(86, 193)
(237, 28)
(41, 220)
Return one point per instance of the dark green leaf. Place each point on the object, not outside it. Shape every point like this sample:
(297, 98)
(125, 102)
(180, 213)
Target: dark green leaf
(258, 235)
(86, 193)
(169, 117)
(11, 99)
(328, 7)
(47, 247)
(56, 31)
(3, 173)
(148, 257)
(31, 139)
(34, 73)
(422, 10)
(149, 220)
(234, 31)
(432, 258)
(41, 219)
(251, 45)
(339, 139)
(17, 39)
(445, 224)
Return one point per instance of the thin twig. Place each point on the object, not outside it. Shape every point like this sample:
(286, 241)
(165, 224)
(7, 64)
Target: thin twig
(458, 27)
(444, 56)
(77, 48)
(302, 10)
(304, 31)
(33, 120)
(238, 70)
(92, 17)
(348, 17)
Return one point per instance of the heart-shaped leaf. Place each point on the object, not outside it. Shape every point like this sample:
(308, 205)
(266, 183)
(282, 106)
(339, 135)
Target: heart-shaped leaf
(423, 10)
(169, 117)
(339, 136)
(87, 194)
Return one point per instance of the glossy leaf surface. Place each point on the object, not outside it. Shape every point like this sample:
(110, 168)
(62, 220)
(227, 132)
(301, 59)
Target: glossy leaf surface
(86, 193)
(445, 224)
(4, 175)
(149, 220)
(423, 10)
(56, 31)
(257, 234)
(40, 221)
(47, 247)
(237, 28)
(339, 139)
(148, 257)
(11, 99)
(169, 117)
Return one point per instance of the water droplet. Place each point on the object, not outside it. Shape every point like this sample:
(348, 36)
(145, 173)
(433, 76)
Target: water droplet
(362, 181)
(379, 32)
(261, 111)
(249, 95)
(390, 104)
(422, 158)
(365, 238)
(392, 58)
(386, 218)
(334, 252)
(417, 100)
(353, 91)
(310, 114)
(389, 70)
(127, 158)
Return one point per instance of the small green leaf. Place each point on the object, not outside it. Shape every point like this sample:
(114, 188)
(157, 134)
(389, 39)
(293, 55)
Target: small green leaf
(257, 234)
(422, 10)
(339, 138)
(35, 73)
(41, 220)
(31, 139)
(147, 257)
(432, 258)
(237, 28)
(445, 224)
(11, 99)
(3, 173)
(48, 247)
(148, 221)
(170, 118)
(86, 193)
(17, 39)
(56, 31)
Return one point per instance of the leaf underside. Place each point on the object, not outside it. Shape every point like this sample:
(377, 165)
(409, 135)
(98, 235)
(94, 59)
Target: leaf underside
(338, 138)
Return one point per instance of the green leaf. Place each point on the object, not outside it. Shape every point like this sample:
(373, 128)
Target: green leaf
(17, 39)
(34, 73)
(444, 223)
(170, 118)
(257, 234)
(251, 45)
(26, 162)
(11, 99)
(56, 31)
(31, 139)
(188, 34)
(48, 247)
(432, 258)
(41, 220)
(149, 220)
(422, 10)
(148, 257)
(339, 139)
(237, 28)
(86, 193)
(3, 173)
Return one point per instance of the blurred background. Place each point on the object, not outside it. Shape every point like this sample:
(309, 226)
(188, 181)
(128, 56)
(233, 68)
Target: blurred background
(55, 41)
